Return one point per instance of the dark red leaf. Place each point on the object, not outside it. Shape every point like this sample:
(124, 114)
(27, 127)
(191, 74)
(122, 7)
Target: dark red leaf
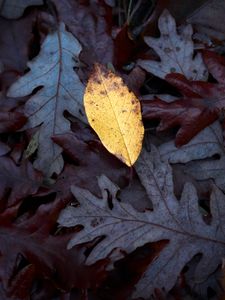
(92, 160)
(121, 281)
(191, 119)
(11, 121)
(135, 79)
(17, 182)
(31, 238)
(20, 286)
(200, 106)
(124, 47)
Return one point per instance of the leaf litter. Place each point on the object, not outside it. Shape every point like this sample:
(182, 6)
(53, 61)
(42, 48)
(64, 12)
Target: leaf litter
(179, 221)
(75, 221)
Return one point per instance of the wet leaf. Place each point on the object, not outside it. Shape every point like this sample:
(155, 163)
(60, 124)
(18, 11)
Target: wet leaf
(114, 113)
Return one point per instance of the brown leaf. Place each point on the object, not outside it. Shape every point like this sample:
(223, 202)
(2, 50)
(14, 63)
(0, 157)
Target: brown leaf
(17, 182)
(84, 172)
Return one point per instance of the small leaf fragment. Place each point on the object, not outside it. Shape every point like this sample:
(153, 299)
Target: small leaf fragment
(114, 113)
(33, 145)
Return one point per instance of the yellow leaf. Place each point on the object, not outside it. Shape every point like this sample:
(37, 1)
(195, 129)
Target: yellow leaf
(115, 114)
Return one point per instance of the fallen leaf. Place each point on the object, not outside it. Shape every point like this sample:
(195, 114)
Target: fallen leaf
(201, 161)
(176, 52)
(13, 9)
(179, 10)
(17, 181)
(209, 19)
(213, 282)
(204, 155)
(124, 46)
(91, 22)
(32, 238)
(21, 284)
(186, 113)
(135, 80)
(61, 89)
(32, 146)
(202, 102)
(205, 144)
(115, 114)
(180, 222)
(15, 39)
(208, 169)
(11, 121)
(84, 172)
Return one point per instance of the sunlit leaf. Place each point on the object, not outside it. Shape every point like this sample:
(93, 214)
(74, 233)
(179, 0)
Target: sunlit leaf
(114, 113)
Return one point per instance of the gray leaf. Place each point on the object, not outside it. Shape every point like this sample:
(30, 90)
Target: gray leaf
(205, 144)
(176, 52)
(180, 222)
(61, 90)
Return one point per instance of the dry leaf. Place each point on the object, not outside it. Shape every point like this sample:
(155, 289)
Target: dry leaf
(205, 144)
(61, 89)
(178, 221)
(209, 21)
(115, 114)
(175, 50)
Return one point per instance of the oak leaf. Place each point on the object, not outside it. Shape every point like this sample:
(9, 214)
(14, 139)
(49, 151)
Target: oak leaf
(208, 169)
(60, 89)
(202, 102)
(114, 113)
(176, 51)
(180, 222)
(204, 155)
(205, 144)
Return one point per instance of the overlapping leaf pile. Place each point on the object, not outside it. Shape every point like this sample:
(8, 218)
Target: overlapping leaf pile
(78, 221)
